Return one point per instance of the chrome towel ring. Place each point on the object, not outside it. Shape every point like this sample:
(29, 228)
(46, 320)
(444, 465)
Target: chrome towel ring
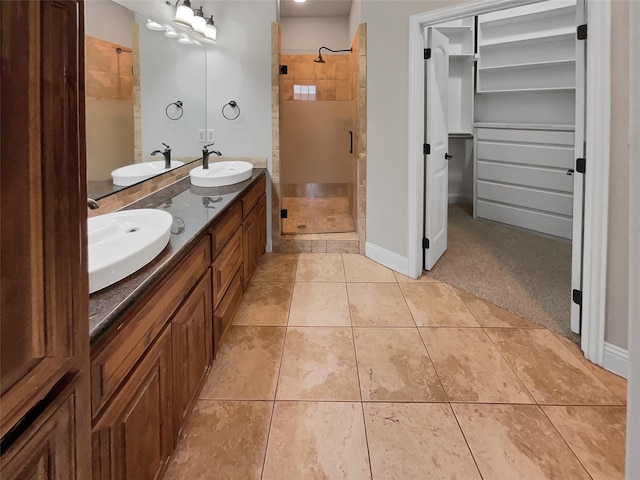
(179, 109)
(233, 105)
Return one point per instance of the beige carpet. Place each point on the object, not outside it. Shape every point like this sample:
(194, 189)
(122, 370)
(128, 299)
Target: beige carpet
(525, 273)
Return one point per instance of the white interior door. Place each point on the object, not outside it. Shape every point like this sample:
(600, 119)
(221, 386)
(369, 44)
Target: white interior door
(437, 137)
(578, 178)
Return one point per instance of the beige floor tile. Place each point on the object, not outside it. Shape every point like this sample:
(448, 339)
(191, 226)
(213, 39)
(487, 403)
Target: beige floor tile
(276, 267)
(265, 304)
(596, 435)
(551, 373)
(416, 441)
(247, 366)
(613, 382)
(318, 363)
(394, 366)
(471, 368)
(378, 305)
(359, 268)
(320, 267)
(436, 304)
(222, 440)
(516, 442)
(490, 315)
(400, 278)
(317, 441)
(319, 304)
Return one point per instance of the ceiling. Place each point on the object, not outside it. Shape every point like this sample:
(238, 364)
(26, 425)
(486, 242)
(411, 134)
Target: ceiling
(315, 8)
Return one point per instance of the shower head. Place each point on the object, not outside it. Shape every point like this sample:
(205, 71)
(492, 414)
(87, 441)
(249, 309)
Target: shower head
(321, 60)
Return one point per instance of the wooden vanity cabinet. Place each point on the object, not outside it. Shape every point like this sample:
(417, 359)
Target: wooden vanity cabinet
(191, 340)
(146, 376)
(255, 228)
(134, 437)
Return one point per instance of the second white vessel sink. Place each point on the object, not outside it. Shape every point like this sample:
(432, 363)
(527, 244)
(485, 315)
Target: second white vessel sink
(220, 174)
(120, 243)
(137, 172)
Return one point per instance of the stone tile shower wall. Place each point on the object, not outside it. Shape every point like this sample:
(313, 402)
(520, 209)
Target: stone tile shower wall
(344, 79)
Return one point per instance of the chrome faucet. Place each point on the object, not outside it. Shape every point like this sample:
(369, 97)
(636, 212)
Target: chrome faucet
(205, 155)
(92, 204)
(167, 155)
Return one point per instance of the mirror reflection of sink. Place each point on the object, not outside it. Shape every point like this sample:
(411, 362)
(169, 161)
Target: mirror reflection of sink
(137, 172)
(220, 174)
(120, 243)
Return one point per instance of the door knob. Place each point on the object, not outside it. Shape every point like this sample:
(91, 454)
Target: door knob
(447, 156)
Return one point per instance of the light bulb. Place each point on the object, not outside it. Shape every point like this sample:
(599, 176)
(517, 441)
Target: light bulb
(184, 14)
(211, 32)
(198, 22)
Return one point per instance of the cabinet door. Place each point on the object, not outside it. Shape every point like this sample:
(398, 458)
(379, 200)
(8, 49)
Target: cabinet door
(254, 239)
(192, 345)
(134, 437)
(47, 450)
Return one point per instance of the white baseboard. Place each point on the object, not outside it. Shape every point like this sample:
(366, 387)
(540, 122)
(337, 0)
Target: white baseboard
(615, 360)
(387, 258)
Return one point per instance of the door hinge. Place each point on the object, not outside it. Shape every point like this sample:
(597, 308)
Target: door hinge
(427, 53)
(577, 296)
(425, 242)
(582, 32)
(426, 149)
(283, 69)
(283, 213)
(581, 165)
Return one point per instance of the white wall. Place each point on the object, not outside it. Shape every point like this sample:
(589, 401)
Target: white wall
(308, 34)
(355, 17)
(170, 72)
(118, 27)
(616, 312)
(387, 118)
(633, 406)
(239, 68)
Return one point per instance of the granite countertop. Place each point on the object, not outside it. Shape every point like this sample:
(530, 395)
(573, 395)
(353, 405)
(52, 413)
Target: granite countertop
(193, 210)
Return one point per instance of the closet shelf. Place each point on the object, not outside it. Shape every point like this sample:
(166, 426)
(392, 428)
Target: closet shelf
(518, 66)
(527, 37)
(541, 13)
(545, 89)
(555, 37)
(524, 126)
(461, 56)
(455, 30)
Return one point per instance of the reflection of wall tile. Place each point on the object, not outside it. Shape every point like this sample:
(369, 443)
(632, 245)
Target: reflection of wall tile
(287, 89)
(108, 75)
(327, 70)
(303, 70)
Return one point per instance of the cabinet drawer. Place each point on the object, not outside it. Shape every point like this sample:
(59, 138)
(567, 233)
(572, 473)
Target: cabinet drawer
(226, 265)
(223, 314)
(225, 227)
(252, 196)
(112, 362)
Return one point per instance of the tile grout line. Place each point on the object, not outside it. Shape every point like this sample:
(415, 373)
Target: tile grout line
(275, 392)
(355, 354)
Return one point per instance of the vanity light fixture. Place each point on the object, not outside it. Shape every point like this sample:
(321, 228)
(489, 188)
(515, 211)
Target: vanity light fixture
(155, 26)
(210, 31)
(198, 23)
(184, 13)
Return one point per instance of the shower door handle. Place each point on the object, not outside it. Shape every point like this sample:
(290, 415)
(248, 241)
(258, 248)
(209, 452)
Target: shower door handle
(350, 141)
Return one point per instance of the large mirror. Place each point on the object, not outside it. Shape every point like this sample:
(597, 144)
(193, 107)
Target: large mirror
(143, 90)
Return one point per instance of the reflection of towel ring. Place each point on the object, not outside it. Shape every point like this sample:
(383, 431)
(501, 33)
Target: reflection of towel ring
(178, 105)
(231, 104)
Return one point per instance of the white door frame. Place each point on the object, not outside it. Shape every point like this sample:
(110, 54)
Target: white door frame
(597, 132)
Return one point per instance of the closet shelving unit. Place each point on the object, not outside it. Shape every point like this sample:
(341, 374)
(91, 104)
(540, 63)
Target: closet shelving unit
(520, 169)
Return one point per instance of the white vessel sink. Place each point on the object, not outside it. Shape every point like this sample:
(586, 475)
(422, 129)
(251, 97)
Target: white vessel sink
(120, 243)
(220, 174)
(136, 172)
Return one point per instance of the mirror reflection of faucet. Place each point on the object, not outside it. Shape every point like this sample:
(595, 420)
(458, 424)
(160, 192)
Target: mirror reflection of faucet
(205, 155)
(167, 155)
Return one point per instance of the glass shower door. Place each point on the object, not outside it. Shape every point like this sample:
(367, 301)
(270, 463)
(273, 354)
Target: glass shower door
(317, 166)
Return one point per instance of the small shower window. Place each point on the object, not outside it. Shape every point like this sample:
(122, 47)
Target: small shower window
(304, 92)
